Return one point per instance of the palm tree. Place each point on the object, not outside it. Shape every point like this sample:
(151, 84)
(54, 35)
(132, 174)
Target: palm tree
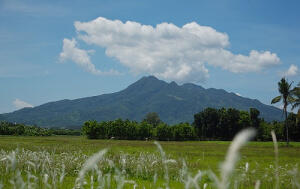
(286, 93)
(296, 102)
(296, 94)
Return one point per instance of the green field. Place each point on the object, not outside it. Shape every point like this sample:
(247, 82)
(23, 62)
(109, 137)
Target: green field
(139, 163)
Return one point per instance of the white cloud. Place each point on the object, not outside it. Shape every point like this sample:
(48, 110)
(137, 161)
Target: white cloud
(168, 51)
(80, 57)
(21, 104)
(292, 71)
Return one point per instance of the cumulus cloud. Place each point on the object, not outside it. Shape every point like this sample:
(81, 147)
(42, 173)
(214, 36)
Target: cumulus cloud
(80, 57)
(292, 71)
(21, 104)
(168, 51)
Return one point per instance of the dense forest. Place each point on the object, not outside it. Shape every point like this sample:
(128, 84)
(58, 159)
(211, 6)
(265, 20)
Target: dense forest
(209, 124)
(7, 128)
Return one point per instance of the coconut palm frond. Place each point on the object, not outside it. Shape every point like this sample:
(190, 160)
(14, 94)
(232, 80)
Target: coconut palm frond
(276, 99)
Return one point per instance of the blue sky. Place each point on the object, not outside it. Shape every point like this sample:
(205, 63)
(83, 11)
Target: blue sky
(240, 46)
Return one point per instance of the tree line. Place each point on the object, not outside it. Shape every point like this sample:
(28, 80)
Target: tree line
(223, 124)
(132, 130)
(209, 124)
(8, 128)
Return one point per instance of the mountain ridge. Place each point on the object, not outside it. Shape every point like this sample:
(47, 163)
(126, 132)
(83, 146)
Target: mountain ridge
(174, 103)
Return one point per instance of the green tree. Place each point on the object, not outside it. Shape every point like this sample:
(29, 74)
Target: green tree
(164, 132)
(4, 128)
(244, 120)
(233, 117)
(183, 131)
(117, 129)
(153, 119)
(90, 129)
(132, 131)
(266, 128)
(101, 127)
(19, 129)
(255, 122)
(145, 130)
(286, 92)
(223, 125)
(294, 127)
(206, 123)
(254, 113)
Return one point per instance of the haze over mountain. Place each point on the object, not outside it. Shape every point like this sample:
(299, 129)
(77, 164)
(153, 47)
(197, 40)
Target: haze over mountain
(174, 103)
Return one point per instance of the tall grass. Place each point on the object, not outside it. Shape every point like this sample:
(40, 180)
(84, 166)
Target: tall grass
(23, 168)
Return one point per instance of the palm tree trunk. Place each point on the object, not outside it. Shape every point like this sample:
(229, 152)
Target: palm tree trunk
(286, 128)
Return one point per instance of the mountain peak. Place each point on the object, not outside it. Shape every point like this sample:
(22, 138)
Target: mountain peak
(147, 79)
(173, 83)
(146, 83)
(152, 77)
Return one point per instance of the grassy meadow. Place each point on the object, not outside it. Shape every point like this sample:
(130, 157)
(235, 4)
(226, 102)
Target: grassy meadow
(56, 162)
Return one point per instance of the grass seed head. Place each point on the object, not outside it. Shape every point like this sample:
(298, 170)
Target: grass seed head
(233, 155)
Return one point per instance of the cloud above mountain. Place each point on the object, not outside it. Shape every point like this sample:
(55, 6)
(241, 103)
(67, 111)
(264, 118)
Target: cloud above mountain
(80, 57)
(292, 71)
(167, 51)
(21, 104)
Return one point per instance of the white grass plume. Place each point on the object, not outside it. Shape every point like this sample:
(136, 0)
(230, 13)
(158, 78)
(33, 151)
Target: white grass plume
(187, 179)
(257, 184)
(192, 182)
(18, 181)
(12, 160)
(165, 161)
(155, 178)
(45, 181)
(233, 156)
(276, 158)
(108, 179)
(88, 165)
(294, 174)
(31, 180)
(92, 182)
(246, 167)
(62, 175)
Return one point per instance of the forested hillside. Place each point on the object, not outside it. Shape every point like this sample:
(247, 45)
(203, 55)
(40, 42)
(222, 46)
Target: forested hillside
(174, 103)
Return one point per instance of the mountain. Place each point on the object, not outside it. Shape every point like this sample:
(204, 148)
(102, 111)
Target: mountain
(174, 103)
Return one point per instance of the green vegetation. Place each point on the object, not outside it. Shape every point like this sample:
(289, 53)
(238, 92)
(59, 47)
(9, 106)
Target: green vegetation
(286, 93)
(131, 130)
(288, 96)
(296, 98)
(7, 128)
(209, 124)
(153, 119)
(222, 124)
(59, 159)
